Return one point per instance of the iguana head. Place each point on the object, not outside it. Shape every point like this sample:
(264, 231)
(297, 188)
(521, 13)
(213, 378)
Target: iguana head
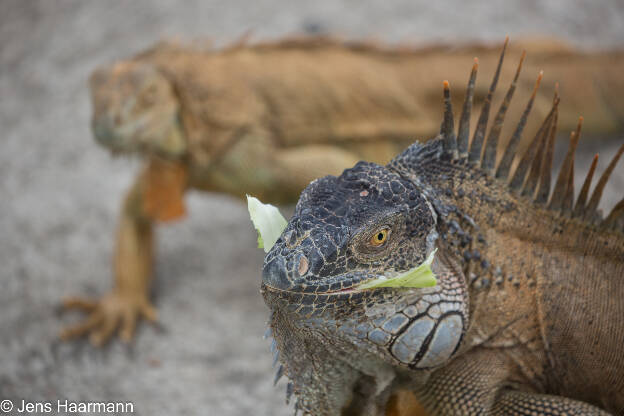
(368, 222)
(135, 109)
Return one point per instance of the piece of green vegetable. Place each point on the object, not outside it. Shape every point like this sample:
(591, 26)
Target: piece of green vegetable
(420, 276)
(267, 220)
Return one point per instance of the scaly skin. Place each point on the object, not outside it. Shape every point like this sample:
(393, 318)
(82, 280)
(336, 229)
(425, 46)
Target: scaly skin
(268, 118)
(524, 320)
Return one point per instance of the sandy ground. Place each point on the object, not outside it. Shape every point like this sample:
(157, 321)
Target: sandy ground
(60, 193)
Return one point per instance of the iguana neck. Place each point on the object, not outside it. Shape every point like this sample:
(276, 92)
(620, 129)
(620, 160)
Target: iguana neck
(473, 215)
(496, 281)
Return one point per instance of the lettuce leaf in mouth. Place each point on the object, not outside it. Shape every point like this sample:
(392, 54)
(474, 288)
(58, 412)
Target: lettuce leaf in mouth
(267, 220)
(419, 276)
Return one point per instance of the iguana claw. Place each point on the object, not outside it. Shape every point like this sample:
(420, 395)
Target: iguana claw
(106, 315)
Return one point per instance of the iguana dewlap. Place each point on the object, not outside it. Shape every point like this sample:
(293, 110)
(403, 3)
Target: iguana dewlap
(526, 317)
(266, 119)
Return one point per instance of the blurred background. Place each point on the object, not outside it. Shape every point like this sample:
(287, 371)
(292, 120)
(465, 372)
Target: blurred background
(60, 192)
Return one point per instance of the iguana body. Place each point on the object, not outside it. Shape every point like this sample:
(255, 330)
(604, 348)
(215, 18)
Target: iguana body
(266, 119)
(525, 318)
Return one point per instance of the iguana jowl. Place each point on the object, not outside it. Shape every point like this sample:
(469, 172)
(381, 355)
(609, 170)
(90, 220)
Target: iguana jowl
(526, 318)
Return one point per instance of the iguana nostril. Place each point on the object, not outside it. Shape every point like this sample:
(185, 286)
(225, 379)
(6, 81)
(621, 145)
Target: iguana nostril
(289, 238)
(303, 265)
(274, 274)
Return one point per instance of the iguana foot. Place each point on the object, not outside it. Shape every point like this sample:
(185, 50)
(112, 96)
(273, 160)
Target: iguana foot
(106, 315)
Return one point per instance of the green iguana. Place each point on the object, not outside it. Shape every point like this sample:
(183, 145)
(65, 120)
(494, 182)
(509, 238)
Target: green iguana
(527, 314)
(268, 118)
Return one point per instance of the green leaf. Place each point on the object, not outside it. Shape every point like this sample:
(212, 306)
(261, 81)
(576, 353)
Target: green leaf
(267, 220)
(420, 276)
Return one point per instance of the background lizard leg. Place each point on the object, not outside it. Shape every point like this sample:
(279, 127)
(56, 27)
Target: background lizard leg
(156, 195)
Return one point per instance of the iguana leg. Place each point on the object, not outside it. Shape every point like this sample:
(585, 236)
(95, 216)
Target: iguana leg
(477, 384)
(527, 404)
(156, 195)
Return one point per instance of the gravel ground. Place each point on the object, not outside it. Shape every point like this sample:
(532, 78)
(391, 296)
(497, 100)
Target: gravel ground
(60, 193)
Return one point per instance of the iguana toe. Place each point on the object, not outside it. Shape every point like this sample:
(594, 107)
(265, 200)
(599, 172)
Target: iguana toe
(114, 311)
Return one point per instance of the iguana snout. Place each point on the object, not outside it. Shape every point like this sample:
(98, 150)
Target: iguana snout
(135, 109)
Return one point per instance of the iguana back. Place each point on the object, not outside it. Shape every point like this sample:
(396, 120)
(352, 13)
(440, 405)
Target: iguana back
(366, 98)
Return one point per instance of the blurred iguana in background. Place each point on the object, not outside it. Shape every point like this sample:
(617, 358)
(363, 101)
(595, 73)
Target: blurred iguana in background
(266, 119)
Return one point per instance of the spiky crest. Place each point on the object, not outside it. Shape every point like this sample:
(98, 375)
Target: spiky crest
(491, 144)
(532, 176)
(560, 198)
(510, 151)
(448, 130)
(477, 139)
(582, 198)
(540, 144)
(592, 207)
(616, 215)
(544, 182)
(519, 176)
(463, 132)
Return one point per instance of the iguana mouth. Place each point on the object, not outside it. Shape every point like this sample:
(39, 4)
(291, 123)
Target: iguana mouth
(147, 133)
(311, 300)
(334, 285)
(346, 284)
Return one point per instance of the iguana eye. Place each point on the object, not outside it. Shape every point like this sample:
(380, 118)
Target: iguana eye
(379, 238)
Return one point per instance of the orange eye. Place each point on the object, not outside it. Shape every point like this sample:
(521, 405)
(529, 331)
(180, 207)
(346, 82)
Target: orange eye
(379, 238)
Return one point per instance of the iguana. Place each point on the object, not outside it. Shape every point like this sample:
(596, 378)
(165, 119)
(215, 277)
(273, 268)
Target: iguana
(266, 119)
(526, 316)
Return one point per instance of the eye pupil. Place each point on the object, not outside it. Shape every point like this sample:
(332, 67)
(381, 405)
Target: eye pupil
(379, 238)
